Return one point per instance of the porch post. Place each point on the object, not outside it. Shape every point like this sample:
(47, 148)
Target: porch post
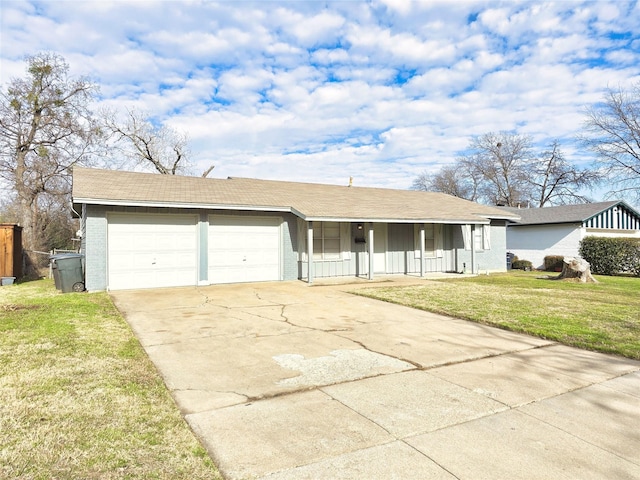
(371, 249)
(309, 252)
(473, 248)
(422, 234)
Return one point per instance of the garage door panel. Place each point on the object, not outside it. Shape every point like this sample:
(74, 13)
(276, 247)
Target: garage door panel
(244, 249)
(150, 250)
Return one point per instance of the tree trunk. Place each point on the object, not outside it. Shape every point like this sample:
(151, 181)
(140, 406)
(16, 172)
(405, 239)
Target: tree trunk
(576, 269)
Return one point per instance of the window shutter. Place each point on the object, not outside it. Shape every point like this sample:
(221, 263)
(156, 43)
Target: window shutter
(345, 240)
(416, 240)
(486, 237)
(437, 237)
(466, 236)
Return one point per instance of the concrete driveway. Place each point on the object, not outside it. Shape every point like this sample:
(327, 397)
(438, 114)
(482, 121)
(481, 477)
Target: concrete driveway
(290, 381)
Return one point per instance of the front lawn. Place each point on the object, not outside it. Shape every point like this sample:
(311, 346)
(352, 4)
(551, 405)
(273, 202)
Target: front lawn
(604, 317)
(79, 398)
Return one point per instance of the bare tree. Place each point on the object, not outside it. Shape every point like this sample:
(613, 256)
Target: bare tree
(456, 180)
(501, 161)
(46, 128)
(148, 145)
(612, 131)
(504, 169)
(556, 182)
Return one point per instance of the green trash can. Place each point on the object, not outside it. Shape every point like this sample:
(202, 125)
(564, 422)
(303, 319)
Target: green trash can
(70, 272)
(54, 269)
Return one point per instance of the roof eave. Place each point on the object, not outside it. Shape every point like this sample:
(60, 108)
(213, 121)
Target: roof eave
(197, 206)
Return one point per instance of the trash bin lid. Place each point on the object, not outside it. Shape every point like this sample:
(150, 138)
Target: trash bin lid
(62, 256)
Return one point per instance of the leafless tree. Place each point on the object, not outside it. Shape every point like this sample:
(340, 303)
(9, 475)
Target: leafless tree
(504, 169)
(150, 145)
(46, 128)
(554, 181)
(456, 180)
(501, 160)
(612, 131)
(147, 145)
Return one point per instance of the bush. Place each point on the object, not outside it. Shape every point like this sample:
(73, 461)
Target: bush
(553, 263)
(522, 265)
(608, 256)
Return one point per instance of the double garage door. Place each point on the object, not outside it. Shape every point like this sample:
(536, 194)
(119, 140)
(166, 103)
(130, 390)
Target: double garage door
(156, 250)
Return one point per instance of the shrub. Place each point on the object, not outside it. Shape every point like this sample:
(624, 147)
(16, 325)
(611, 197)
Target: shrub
(608, 256)
(522, 265)
(553, 263)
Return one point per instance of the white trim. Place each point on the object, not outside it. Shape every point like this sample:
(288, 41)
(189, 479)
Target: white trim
(486, 237)
(197, 206)
(266, 208)
(345, 240)
(466, 236)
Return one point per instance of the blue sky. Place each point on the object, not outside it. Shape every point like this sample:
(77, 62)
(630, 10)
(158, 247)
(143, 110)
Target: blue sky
(322, 91)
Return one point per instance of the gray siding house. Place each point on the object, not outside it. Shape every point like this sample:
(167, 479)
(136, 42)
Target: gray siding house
(143, 230)
(559, 230)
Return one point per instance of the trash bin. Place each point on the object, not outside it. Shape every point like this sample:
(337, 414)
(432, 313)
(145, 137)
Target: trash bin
(54, 270)
(510, 257)
(69, 268)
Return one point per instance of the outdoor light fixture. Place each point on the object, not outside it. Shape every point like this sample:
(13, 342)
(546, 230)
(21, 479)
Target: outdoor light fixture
(360, 234)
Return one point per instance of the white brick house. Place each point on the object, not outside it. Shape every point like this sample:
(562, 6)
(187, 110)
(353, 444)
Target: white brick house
(559, 230)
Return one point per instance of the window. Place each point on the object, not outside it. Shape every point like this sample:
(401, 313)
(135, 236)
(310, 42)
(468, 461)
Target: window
(482, 238)
(429, 240)
(326, 241)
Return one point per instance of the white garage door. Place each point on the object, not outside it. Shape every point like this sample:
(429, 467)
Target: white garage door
(244, 249)
(147, 251)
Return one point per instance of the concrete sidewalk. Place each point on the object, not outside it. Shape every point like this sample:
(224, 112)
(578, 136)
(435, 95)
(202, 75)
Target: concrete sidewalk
(290, 381)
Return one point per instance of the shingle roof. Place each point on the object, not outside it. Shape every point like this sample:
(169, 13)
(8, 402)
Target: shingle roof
(307, 200)
(559, 214)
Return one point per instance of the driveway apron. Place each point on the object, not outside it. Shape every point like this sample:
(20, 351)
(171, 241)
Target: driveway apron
(289, 381)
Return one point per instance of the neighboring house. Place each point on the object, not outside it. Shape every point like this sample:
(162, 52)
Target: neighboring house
(146, 230)
(559, 230)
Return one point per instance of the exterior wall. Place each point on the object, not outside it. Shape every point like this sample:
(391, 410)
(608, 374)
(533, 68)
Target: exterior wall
(94, 247)
(534, 242)
(94, 241)
(400, 254)
(491, 260)
(401, 257)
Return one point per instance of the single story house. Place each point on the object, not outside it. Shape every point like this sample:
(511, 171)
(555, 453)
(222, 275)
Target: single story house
(142, 230)
(559, 230)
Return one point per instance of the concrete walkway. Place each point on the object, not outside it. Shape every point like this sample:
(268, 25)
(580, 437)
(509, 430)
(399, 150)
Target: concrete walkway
(290, 381)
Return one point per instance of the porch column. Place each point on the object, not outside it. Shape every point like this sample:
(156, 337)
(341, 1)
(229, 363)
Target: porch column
(310, 252)
(422, 234)
(371, 249)
(473, 248)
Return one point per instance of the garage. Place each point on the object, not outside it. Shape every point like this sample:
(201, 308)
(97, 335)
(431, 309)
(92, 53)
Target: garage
(244, 249)
(151, 250)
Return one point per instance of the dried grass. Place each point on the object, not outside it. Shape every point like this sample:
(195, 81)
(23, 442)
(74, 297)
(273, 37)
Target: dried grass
(79, 398)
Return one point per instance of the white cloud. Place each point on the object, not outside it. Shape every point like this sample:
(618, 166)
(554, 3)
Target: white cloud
(315, 91)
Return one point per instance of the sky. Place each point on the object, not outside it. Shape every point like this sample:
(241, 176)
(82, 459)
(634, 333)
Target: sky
(313, 91)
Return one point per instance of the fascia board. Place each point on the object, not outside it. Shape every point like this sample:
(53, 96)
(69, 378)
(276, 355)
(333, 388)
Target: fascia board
(467, 221)
(198, 206)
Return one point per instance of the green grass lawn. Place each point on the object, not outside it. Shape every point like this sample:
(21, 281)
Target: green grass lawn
(604, 317)
(79, 398)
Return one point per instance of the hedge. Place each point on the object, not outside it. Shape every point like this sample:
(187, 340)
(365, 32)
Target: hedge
(608, 256)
